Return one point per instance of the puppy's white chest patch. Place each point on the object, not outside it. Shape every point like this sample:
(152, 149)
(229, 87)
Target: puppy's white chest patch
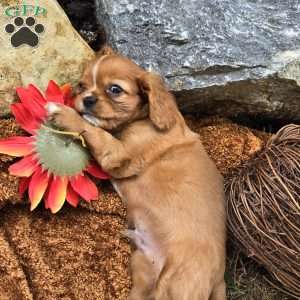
(143, 238)
(145, 242)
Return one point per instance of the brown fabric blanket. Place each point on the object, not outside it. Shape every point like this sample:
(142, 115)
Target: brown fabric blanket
(80, 253)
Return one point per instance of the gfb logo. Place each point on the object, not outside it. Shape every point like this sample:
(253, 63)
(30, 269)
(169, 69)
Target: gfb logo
(24, 30)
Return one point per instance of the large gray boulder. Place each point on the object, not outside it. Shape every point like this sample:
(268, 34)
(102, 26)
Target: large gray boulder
(223, 56)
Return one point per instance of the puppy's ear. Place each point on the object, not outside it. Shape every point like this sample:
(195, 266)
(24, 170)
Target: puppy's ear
(105, 50)
(162, 106)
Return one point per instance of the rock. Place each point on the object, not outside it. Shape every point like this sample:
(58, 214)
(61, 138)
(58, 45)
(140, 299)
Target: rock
(83, 18)
(225, 57)
(61, 54)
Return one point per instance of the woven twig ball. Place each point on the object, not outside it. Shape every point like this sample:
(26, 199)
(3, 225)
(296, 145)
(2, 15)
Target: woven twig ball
(263, 206)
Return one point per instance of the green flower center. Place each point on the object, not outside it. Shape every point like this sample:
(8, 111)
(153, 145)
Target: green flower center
(60, 154)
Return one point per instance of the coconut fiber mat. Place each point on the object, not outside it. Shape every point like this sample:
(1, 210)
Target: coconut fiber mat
(80, 253)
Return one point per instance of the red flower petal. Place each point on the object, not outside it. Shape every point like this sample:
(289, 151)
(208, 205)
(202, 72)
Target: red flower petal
(85, 187)
(69, 102)
(23, 185)
(95, 170)
(37, 187)
(72, 196)
(17, 146)
(24, 118)
(66, 89)
(53, 93)
(31, 103)
(46, 196)
(25, 167)
(37, 95)
(57, 194)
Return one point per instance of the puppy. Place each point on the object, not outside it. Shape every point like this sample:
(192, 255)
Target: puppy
(173, 191)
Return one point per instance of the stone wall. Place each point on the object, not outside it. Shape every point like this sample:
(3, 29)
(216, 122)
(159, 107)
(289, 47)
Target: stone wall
(228, 57)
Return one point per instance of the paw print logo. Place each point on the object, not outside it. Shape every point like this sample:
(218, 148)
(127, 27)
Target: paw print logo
(24, 32)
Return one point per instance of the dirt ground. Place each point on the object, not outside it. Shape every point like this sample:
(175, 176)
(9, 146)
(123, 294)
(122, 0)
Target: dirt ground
(81, 254)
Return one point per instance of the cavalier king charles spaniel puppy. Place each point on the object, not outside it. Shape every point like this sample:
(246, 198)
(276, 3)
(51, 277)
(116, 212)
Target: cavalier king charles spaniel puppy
(172, 189)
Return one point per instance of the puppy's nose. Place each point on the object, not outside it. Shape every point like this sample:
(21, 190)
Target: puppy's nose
(89, 101)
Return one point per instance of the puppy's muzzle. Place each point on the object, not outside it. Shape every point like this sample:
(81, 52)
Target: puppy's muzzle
(89, 101)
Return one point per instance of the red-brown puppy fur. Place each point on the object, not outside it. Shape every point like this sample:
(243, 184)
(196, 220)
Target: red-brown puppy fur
(173, 191)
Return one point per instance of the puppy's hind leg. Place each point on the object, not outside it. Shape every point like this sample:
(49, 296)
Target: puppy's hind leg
(181, 283)
(143, 277)
(219, 292)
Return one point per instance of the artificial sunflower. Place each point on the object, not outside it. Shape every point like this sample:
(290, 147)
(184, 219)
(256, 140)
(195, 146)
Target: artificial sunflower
(54, 166)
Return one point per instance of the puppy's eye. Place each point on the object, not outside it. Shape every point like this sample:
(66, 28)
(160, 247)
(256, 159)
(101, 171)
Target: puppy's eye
(114, 90)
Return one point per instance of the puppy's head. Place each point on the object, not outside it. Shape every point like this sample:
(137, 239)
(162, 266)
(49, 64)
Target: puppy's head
(114, 91)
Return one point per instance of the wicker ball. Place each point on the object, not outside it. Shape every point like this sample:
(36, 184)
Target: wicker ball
(263, 206)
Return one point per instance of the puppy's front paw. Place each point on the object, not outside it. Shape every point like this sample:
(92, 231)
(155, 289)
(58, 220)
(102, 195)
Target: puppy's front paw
(64, 117)
(52, 108)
